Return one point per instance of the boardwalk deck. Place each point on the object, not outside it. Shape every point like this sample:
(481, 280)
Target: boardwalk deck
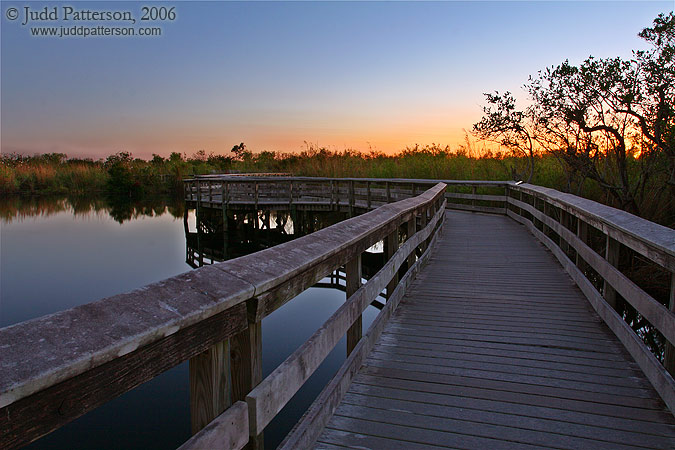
(493, 347)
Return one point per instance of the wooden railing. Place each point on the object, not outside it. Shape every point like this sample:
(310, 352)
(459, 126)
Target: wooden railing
(338, 193)
(56, 368)
(566, 224)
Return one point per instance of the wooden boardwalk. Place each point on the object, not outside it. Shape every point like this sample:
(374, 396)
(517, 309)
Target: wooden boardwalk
(494, 347)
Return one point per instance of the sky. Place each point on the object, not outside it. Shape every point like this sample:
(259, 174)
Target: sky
(278, 75)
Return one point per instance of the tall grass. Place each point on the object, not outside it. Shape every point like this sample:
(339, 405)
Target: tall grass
(126, 177)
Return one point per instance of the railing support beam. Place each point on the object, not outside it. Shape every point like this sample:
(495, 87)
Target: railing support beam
(246, 367)
(669, 357)
(412, 225)
(390, 247)
(582, 234)
(612, 257)
(210, 385)
(353, 270)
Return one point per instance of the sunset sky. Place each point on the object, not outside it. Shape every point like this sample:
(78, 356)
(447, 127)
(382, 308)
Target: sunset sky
(380, 75)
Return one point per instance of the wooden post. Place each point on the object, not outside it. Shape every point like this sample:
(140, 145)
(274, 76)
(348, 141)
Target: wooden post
(223, 194)
(413, 189)
(290, 193)
(473, 192)
(423, 224)
(351, 197)
(390, 247)
(246, 368)
(353, 274)
(669, 357)
(368, 188)
(255, 196)
(612, 257)
(564, 221)
(412, 224)
(332, 194)
(547, 209)
(199, 192)
(507, 193)
(388, 193)
(582, 234)
(210, 191)
(210, 385)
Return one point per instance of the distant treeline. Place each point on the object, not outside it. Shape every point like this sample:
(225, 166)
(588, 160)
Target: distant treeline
(122, 175)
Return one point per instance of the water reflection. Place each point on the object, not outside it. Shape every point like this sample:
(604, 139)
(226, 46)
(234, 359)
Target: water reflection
(120, 209)
(58, 253)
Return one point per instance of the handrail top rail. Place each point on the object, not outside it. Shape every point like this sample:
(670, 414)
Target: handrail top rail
(656, 237)
(252, 178)
(44, 351)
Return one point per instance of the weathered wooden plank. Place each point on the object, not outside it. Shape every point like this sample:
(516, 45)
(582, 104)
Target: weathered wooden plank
(363, 441)
(484, 197)
(353, 283)
(411, 434)
(485, 209)
(612, 257)
(516, 409)
(70, 342)
(227, 431)
(532, 394)
(458, 425)
(390, 247)
(33, 416)
(456, 354)
(210, 385)
(661, 380)
(643, 391)
(246, 360)
(552, 428)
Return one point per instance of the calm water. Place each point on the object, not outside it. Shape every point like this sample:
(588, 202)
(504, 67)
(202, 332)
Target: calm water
(56, 254)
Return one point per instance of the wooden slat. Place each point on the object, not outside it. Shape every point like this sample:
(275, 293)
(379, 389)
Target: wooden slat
(485, 209)
(227, 431)
(484, 197)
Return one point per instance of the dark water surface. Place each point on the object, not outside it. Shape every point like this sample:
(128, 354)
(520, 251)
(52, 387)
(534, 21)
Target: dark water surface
(56, 254)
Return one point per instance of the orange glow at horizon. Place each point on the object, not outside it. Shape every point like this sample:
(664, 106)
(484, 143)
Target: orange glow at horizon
(388, 135)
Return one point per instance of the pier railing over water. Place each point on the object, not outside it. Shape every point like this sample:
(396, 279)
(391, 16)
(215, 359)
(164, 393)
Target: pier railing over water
(56, 368)
(591, 241)
(348, 194)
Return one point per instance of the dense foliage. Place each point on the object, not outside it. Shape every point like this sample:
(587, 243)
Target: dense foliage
(608, 120)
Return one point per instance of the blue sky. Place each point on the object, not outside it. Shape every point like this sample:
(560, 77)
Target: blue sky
(342, 75)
